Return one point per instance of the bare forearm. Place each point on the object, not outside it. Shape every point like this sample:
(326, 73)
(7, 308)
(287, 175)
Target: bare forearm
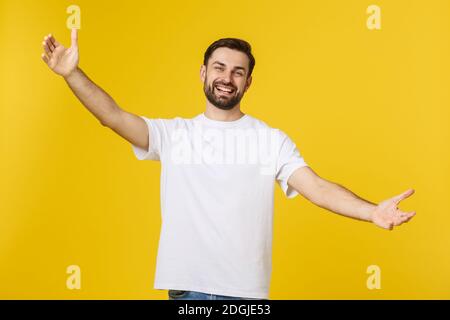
(338, 199)
(94, 98)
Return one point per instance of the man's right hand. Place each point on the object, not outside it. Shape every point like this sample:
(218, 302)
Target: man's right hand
(61, 60)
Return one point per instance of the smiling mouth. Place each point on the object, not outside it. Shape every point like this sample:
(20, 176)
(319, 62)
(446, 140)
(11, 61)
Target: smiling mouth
(224, 90)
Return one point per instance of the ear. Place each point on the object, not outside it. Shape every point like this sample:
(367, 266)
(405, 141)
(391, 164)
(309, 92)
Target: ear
(248, 83)
(202, 73)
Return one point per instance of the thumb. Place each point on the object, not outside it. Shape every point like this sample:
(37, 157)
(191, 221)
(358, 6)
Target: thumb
(403, 196)
(74, 37)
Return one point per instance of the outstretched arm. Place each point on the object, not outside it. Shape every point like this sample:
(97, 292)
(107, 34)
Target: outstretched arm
(338, 199)
(64, 62)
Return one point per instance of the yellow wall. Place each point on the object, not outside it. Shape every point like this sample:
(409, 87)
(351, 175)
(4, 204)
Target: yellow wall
(368, 109)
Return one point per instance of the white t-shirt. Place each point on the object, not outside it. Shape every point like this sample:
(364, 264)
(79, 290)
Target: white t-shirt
(217, 191)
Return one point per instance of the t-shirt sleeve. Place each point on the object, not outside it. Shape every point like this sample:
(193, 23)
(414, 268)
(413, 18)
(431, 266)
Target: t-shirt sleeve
(289, 160)
(157, 132)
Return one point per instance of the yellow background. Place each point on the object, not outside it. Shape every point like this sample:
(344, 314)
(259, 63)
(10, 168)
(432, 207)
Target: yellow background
(367, 109)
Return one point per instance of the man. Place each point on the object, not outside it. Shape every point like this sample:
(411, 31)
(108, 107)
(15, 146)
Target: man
(218, 174)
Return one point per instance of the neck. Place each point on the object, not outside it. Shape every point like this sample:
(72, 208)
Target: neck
(215, 113)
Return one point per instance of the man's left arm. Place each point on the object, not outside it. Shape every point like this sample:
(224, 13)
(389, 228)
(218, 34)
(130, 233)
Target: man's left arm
(338, 199)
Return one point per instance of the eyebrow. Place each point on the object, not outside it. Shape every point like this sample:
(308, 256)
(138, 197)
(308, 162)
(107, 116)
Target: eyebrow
(223, 65)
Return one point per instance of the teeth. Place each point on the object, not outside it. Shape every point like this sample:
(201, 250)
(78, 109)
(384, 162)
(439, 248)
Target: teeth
(224, 89)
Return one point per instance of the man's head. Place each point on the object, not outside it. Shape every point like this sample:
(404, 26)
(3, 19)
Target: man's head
(226, 72)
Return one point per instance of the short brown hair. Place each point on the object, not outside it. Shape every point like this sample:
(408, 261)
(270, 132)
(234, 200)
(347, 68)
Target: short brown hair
(235, 44)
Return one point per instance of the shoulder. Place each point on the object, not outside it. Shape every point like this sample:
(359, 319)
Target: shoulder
(260, 124)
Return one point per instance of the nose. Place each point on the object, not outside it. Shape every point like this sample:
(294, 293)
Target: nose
(227, 77)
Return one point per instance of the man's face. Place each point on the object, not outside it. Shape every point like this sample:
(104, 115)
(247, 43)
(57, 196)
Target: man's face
(225, 77)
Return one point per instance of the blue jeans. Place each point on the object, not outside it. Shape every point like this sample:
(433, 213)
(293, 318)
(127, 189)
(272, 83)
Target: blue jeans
(194, 295)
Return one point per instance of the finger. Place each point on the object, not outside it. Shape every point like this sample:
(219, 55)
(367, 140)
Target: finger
(404, 217)
(44, 57)
(398, 221)
(400, 213)
(49, 43)
(387, 225)
(74, 37)
(409, 215)
(53, 40)
(403, 196)
(46, 48)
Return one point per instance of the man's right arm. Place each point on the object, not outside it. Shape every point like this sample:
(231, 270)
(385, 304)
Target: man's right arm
(129, 126)
(64, 61)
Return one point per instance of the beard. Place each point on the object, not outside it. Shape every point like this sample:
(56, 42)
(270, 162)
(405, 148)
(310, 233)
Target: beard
(219, 100)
